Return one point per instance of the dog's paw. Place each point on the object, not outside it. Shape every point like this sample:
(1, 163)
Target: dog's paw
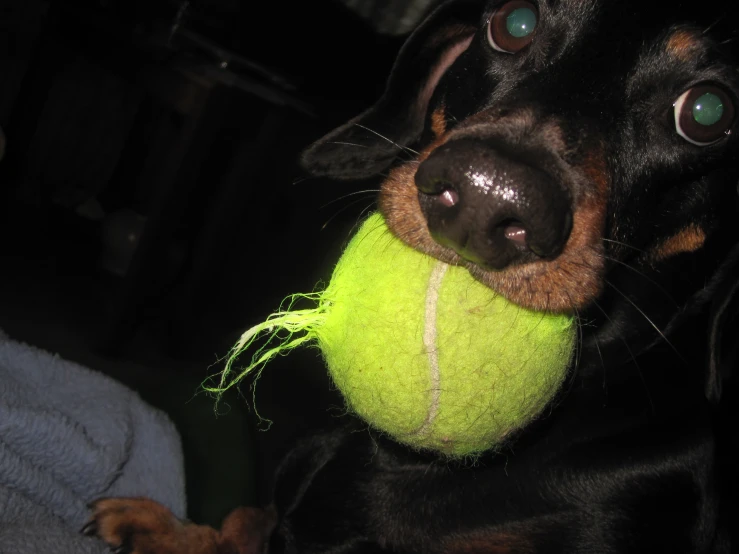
(142, 526)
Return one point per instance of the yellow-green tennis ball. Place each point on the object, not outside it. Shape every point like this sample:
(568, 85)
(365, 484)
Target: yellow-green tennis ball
(420, 350)
(427, 354)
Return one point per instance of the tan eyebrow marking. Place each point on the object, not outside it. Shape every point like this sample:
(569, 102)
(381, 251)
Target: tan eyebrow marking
(683, 45)
(438, 122)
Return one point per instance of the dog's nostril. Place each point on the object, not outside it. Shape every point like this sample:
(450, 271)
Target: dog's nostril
(440, 192)
(449, 198)
(516, 233)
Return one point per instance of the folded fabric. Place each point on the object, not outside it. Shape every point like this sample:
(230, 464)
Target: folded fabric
(69, 435)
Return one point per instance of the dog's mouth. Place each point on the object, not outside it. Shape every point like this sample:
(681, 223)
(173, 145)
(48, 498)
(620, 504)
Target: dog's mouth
(516, 226)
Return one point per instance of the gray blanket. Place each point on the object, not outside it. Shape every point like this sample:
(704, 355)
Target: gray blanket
(69, 435)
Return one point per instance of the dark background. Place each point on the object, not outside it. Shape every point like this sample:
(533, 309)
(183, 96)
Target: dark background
(152, 208)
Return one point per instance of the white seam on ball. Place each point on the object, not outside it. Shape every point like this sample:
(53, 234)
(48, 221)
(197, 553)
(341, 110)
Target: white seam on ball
(429, 343)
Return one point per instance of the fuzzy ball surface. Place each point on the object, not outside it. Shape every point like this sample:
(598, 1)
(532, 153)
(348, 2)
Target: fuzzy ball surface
(430, 356)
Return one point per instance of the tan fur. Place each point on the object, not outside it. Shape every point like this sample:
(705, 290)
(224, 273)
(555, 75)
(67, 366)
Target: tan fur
(438, 122)
(153, 529)
(683, 45)
(689, 239)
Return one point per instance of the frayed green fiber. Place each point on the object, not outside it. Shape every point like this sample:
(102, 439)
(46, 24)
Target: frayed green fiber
(282, 332)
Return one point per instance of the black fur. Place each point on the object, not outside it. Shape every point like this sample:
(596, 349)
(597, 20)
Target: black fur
(637, 454)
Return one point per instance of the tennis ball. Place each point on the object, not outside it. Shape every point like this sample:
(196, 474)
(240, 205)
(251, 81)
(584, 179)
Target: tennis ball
(421, 350)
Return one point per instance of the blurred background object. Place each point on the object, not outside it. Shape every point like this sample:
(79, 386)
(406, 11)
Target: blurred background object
(151, 205)
(393, 17)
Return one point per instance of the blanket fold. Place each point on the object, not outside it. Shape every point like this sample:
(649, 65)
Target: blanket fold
(69, 435)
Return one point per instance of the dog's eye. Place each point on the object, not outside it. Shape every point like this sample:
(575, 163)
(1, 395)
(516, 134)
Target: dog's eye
(704, 114)
(512, 26)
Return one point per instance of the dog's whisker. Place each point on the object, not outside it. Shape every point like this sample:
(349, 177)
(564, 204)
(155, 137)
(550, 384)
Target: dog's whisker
(643, 275)
(578, 345)
(349, 195)
(631, 354)
(303, 179)
(347, 144)
(342, 210)
(649, 320)
(632, 268)
(387, 139)
(712, 25)
(603, 365)
(578, 322)
(624, 244)
(404, 159)
(365, 210)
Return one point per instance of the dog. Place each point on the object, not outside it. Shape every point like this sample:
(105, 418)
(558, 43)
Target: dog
(576, 156)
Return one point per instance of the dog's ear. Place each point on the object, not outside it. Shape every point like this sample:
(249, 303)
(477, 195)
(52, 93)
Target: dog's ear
(370, 142)
(723, 338)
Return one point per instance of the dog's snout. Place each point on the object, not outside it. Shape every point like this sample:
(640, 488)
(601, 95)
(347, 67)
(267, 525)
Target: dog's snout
(492, 210)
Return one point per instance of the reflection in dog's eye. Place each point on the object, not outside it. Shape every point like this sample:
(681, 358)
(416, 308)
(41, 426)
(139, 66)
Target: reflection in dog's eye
(708, 109)
(512, 26)
(521, 22)
(704, 114)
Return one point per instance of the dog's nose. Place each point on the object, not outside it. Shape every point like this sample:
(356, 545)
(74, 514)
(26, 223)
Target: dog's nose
(491, 209)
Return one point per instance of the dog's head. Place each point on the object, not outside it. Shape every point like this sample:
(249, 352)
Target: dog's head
(574, 155)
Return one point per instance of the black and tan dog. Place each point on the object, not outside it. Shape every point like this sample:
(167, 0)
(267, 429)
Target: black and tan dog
(578, 156)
